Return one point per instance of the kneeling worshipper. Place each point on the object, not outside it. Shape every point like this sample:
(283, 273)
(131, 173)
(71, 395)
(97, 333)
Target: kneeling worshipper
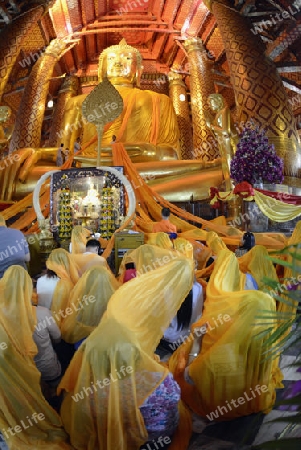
(289, 308)
(27, 421)
(87, 303)
(148, 257)
(256, 262)
(61, 263)
(224, 370)
(118, 396)
(46, 285)
(79, 237)
(89, 258)
(179, 328)
(45, 335)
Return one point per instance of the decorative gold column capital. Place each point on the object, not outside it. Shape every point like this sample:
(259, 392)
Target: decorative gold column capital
(70, 84)
(194, 43)
(175, 78)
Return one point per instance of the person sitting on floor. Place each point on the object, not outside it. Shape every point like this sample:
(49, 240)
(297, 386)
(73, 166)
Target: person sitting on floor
(46, 285)
(46, 334)
(88, 303)
(138, 399)
(27, 421)
(14, 249)
(90, 257)
(130, 272)
(79, 236)
(133, 399)
(61, 263)
(164, 225)
(179, 329)
(227, 355)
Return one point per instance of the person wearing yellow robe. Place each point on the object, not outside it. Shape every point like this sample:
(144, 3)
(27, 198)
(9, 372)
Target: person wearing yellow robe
(222, 368)
(60, 262)
(114, 371)
(27, 421)
(79, 237)
(89, 258)
(88, 302)
(291, 278)
(256, 262)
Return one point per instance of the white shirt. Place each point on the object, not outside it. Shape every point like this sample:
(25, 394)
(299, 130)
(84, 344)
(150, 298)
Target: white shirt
(46, 330)
(45, 288)
(172, 334)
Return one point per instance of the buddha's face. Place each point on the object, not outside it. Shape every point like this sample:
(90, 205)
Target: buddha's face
(121, 67)
(215, 103)
(5, 113)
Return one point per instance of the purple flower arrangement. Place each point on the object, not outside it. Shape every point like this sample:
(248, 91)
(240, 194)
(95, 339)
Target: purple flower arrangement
(255, 159)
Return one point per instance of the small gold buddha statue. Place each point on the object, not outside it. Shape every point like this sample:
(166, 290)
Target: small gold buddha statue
(147, 126)
(5, 133)
(225, 132)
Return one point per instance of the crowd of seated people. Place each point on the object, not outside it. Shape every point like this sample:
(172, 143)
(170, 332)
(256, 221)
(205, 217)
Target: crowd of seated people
(94, 341)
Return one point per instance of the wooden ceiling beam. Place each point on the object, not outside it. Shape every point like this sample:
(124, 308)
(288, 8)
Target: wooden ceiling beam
(288, 67)
(126, 16)
(121, 29)
(124, 22)
(291, 85)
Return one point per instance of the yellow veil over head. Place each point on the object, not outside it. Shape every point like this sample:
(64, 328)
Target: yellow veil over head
(88, 302)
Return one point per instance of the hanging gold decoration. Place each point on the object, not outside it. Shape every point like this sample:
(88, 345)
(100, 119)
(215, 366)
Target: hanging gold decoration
(103, 105)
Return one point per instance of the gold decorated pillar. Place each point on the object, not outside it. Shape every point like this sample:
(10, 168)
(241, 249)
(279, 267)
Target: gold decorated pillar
(259, 91)
(29, 120)
(178, 95)
(10, 46)
(201, 85)
(69, 89)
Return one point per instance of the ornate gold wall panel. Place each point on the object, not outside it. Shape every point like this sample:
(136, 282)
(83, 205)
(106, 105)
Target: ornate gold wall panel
(259, 91)
(177, 87)
(69, 89)
(14, 36)
(201, 86)
(27, 131)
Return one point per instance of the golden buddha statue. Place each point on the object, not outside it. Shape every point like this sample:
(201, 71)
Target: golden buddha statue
(147, 126)
(225, 132)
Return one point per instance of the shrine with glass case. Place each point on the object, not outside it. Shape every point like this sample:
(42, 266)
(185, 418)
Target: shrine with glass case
(91, 197)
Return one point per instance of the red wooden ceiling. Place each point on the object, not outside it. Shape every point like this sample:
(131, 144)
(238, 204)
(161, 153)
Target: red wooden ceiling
(157, 28)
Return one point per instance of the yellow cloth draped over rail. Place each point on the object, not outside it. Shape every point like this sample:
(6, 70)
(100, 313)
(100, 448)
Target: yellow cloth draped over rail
(21, 398)
(275, 209)
(231, 362)
(149, 206)
(129, 332)
(272, 208)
